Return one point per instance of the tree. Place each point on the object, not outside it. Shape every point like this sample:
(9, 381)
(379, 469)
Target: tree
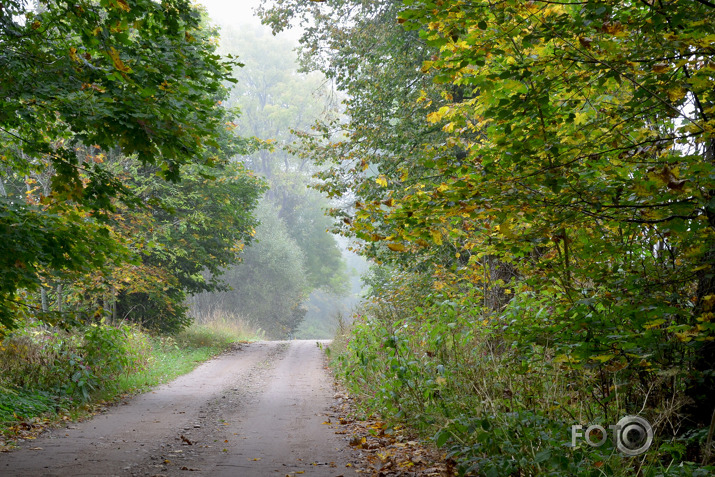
(607, 162)
(270, 284)
(143, 79)
(195, 230)
(569, 148)
(276, 100)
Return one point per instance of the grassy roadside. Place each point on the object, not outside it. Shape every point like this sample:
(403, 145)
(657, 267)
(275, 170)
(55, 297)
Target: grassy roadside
(433, 374)
(174, 356)
(48, 377)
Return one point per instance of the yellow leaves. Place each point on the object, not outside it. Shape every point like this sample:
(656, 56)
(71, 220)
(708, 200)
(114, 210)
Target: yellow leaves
(93, 86)
(653, 324)
(396, 247)
(564, 358)
(676, 94)
(436, 116)
(661, 68)
(436, 236)
(73, 55)
(581, 118)
(118, 63)
(708, 302)
(358, 441)
(381, 181)
(555, 9)
(423, 96)
(121, 4)
(531, 7)
(687, 335)
(706, 41)
(603, 358)
(505, 229)
(614, 28)
(668, 177)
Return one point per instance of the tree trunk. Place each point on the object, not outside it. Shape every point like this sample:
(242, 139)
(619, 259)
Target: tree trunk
(114, 305)
(702, 386)
(43, 299)
(60, 298)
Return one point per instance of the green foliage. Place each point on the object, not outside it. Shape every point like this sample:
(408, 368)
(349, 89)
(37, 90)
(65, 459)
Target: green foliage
(276, 102)
(270, 284)
(34, 239)
(44, 373)
(102, 102)
(70, 364)
(22, 404)
(194, 230)
(543, 173)
(432, 361)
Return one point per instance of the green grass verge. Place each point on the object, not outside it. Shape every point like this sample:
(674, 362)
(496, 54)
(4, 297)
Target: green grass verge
(24, 412)
(171, 358)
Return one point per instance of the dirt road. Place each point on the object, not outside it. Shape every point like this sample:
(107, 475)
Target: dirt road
(257, 411)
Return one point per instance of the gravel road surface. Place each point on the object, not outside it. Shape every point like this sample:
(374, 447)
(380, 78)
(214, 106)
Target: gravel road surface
(256, 411)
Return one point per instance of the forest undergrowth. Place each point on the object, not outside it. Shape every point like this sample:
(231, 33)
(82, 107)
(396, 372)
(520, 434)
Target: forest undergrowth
(432, 360)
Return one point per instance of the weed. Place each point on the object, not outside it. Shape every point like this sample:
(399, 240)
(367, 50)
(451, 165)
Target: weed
(499, 407)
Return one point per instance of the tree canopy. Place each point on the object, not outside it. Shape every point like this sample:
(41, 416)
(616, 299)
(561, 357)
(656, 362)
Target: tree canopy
(295, 254)
(546, 168)
(88, 90)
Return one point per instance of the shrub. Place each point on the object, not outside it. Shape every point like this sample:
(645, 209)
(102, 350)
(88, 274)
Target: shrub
(500, 402)
(75, 363)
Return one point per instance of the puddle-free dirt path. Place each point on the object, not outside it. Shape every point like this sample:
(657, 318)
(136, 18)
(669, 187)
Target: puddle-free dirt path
(257, 411)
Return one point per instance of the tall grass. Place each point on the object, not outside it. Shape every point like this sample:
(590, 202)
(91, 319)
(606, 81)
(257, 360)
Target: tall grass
(46, 372)
(219, 322)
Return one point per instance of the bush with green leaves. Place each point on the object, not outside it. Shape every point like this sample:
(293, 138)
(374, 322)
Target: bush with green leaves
(39, 358)
(501, 404)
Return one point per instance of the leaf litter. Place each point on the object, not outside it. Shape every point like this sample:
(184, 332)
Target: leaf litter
(386, 450)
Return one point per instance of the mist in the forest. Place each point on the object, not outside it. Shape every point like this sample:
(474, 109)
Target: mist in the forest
(296, 279)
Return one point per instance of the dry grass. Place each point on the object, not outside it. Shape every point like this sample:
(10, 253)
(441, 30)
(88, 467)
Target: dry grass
(221, 323)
